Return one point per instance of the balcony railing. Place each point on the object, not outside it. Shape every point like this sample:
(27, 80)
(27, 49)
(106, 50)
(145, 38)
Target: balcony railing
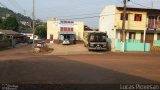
(153, 22)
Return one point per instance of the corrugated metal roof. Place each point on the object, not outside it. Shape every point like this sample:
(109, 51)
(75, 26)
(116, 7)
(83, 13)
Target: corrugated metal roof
(8, 32)
(139, 8)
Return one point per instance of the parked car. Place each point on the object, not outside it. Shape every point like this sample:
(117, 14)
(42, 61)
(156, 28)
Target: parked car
(30, 41)
(66, 42)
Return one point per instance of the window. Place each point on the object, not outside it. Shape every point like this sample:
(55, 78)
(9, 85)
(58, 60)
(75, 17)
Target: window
(1, 37)
(132, 35)
(61, 28)
(122, 16)
(138, 17)
(71, 29)
(158, 36)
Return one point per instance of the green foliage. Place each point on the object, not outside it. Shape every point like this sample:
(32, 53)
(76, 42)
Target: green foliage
(10, 23)
(7, 40)
(41, 31)
(4, 12)
(19, 17)
(0, 22)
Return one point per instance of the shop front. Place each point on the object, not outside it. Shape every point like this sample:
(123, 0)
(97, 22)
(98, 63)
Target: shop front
(70, 36)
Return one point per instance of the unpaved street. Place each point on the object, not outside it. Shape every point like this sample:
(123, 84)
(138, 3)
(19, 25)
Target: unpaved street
(20, 66)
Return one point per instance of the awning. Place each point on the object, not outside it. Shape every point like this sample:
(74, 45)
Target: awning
(67, 32)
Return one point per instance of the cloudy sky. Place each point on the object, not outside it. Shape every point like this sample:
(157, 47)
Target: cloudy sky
(67, 9)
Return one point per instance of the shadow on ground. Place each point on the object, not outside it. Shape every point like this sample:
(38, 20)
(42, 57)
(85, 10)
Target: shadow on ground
(56, 70)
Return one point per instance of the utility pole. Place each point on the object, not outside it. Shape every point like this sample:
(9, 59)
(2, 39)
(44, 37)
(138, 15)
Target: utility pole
(33, 25)
(152, 4)
(123, 37)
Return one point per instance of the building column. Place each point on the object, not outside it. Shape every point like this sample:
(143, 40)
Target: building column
(144, 40)
(155, 36)
(119, 35)
(127, 35)
(115, 39)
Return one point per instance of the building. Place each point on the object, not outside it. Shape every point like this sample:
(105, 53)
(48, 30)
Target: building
(142, 25)
(11, 35)
(29, 34)
(8, 33)
(58, 30)
(86, 28)
(26, 23)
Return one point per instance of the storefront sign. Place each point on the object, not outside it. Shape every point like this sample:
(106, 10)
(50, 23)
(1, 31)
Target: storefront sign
(60, 24)
(151, 29)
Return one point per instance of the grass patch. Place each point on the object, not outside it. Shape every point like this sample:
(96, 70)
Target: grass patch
(2, 49)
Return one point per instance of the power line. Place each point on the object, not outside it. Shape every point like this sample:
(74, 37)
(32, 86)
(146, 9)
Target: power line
(3, 5)
(16, 6)
(86, 17)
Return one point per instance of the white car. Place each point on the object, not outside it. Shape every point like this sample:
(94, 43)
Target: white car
(66, 42)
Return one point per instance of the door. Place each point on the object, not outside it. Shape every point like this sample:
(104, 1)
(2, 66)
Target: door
(158, 36)
(150, 38)
(51, 38)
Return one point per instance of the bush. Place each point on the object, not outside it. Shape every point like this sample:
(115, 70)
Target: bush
(7, 40)
(5, 43)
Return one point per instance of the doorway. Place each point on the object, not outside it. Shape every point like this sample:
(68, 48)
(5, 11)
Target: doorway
(150, 38)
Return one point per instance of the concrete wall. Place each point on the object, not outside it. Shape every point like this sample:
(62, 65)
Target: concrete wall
(133, 46)
(156, 43)
(107, 20)
(138, 36)
(107, 24)
(79, 29)
(52, 29)
(130, 23)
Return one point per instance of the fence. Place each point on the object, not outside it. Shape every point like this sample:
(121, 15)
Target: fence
(133, 45)
(156, 43)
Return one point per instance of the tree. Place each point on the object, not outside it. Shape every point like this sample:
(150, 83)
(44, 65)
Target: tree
(10, 23)
(41, 31)
(0, 23)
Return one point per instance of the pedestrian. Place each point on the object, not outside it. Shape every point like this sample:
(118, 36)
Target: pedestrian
(13, 42)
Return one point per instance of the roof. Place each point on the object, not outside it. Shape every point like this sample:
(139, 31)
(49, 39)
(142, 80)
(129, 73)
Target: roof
(8, 32)
(25, 31)
(138, 8)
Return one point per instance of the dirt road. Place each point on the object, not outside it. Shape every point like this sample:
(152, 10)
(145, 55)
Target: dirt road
(20, 66)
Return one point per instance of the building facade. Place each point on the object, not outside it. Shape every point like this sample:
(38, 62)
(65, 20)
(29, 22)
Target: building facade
(142, 25)
(59, 30)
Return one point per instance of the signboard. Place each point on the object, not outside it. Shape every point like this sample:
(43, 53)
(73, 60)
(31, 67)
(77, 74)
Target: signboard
(151, 29)
(65, 24)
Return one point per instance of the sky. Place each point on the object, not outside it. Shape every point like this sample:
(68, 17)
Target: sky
(68, 9)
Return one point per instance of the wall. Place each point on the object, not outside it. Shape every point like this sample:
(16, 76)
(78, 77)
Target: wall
(138, 36)
(133, 45)
(79, 28)
(107, 20)
(107, 24)
(54, 28)
(4, 44)
(30, 36)
(130, 23)
(156, 43)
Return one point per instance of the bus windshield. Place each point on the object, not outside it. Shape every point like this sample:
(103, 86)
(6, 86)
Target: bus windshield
(97, 38)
